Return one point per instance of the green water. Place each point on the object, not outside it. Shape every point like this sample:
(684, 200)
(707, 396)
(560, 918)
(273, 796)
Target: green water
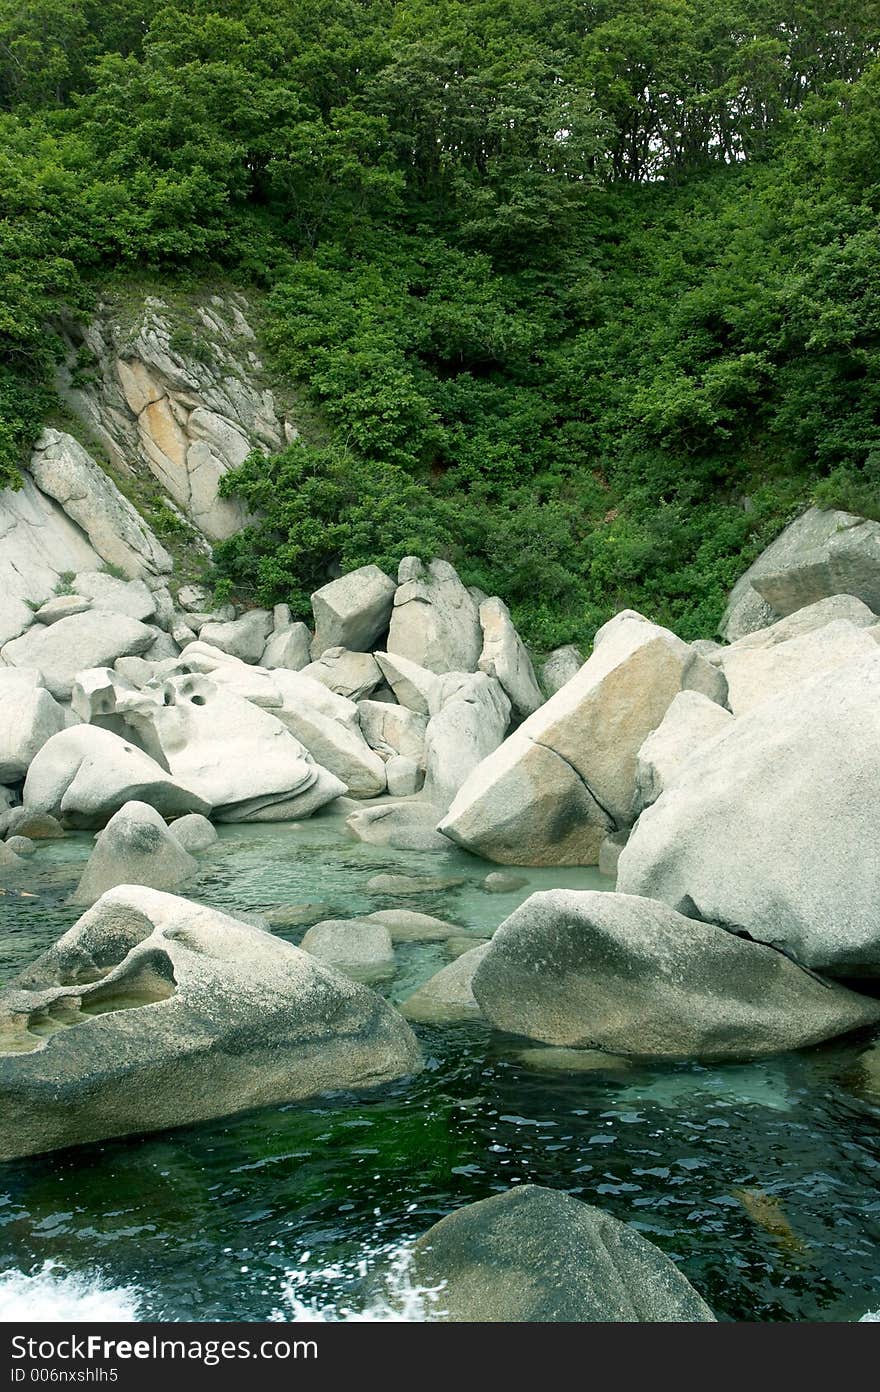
(760, 1180)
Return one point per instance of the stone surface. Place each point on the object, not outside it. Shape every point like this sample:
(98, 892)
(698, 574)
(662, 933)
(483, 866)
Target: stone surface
(566, 778)
(350, 674)
(340, 748)
(632, 976)
(435, 621)
(94, 639)
(29, 717)
(821, 553)
(771, 827)
(83, 775)
(392, 729)
(408, 825)
(288, 647)
(411, 884)
(807, 620)
(690, 720)
(135, 848)
(62, 607)
(36, 826)
(413, 685)
(131, 597)
(406, 925)
(755, 674)
(194, 832)
(447, 998)
(357, 947)
(244, 638)
(609, 853)
(241, 761)
(178, 1014)
(504, 657)
(116, 532)
(560, 667)
(353, 611)
(470, 714)
(537, 1255)
(501, 883)
(20, 845)
(403, 775)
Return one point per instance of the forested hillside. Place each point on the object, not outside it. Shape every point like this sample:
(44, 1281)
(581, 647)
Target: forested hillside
(586, 296)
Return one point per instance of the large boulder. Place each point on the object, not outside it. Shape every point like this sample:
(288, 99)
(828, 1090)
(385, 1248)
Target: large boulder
(566, 778)
(83, 775)
(754, 674)
(822, 553)
(30, 717)
(406, 825)
(771, 827)
(435, 621)
(447, 998)
(690, 720)
(353, 611)
(244, 638)
(131, 597)
(536, 1255)
(470, 714)
(93, 639)
(340, 748)
(242, 761)
(504, 657)
(631, 976)
(287, 647)
(153, 1012)
(350, 674)
(802, 621)
(194, 832)
(135, 848)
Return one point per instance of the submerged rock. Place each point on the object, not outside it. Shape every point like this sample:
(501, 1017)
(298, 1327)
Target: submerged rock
(355, 946)
(135, 848)
(406, 925)
(153, 1012)
(631, 976)
(412, 884)
(447, 998)
(538, 1255)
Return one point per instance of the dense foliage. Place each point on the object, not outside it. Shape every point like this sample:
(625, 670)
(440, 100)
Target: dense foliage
(588, 294)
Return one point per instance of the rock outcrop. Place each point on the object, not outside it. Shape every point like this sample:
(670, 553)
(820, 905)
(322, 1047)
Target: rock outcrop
(135, 848)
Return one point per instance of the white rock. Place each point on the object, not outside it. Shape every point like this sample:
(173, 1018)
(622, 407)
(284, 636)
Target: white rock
(66, 472)
(404, 777)
(131, 597)
(504, 657)
(62, 607)
(288, 647)
(690, 720)
(757, 674)
(94, 639)
(244, 638)
(560, 667)
(350, 674)
(566, 778)
(354, 611)
(435, 621)
(30, 717)
(814, 616)
(412, 685)
(83, 775)
(135, 848)
(340, 748)
(392, 729)
(469, 719)
(447, 998)
(194, 832)
(356, 947)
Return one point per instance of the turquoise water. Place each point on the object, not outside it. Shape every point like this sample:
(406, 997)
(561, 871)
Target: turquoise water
(760, 1180)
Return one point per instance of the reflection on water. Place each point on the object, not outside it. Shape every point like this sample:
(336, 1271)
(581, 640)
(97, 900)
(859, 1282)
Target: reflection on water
(760, 1180)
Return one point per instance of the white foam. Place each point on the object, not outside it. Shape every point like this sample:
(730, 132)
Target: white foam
(325, 1294)
(55, 1294)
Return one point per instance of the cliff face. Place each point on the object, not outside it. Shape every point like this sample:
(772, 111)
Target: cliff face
(176, 392)
(168, 394)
